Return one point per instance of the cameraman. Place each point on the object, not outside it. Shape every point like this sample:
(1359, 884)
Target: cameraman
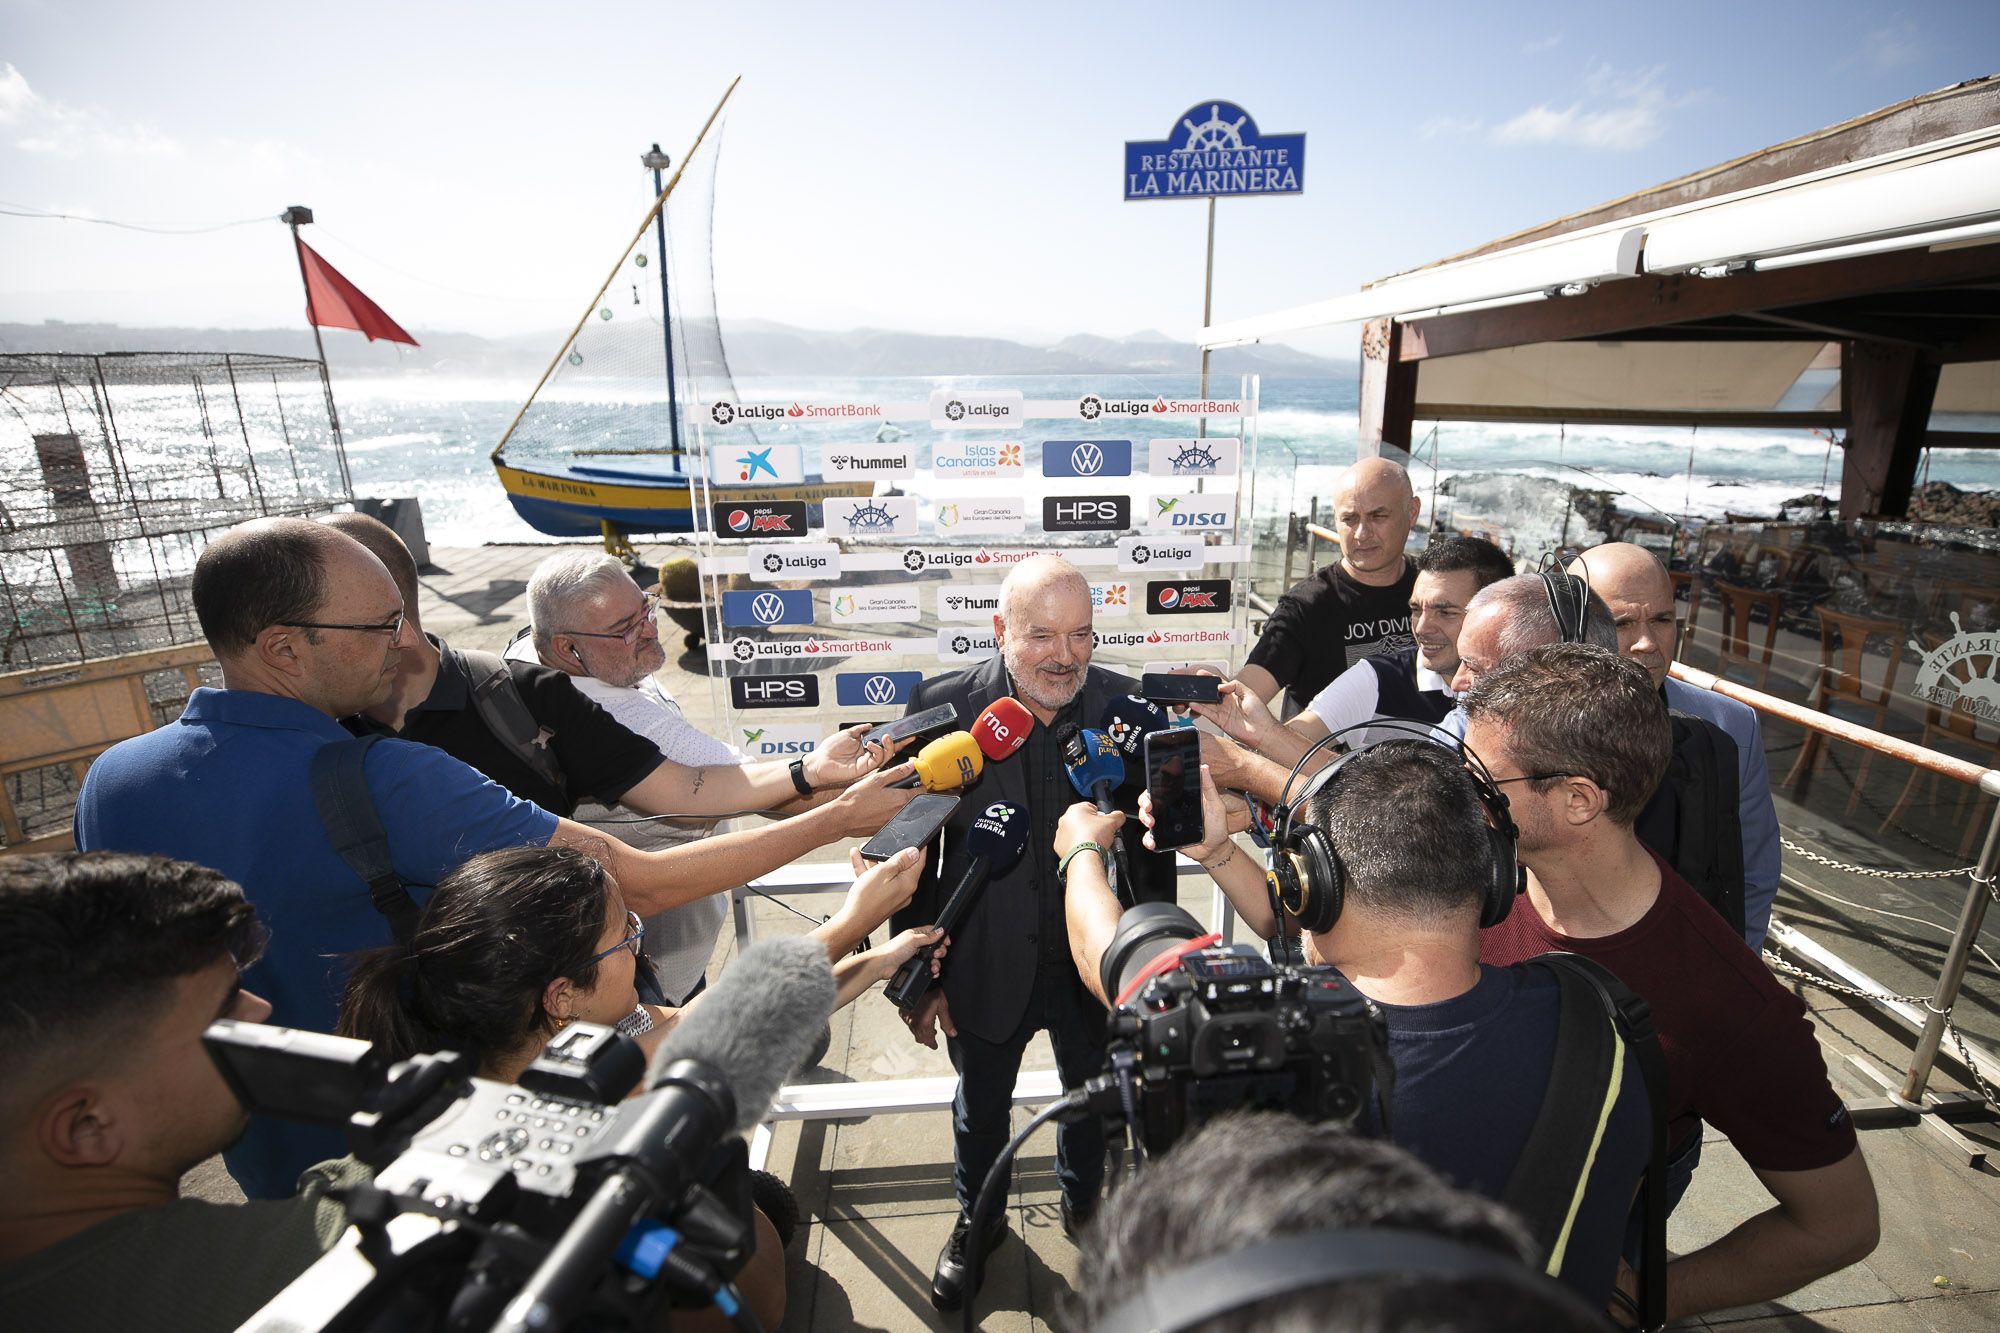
(115, 966)
(1410, 833)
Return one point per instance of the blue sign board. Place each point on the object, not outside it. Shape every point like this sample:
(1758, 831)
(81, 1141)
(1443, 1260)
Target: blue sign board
(1087, 458)
(1215, 150)
(875, 689)
(792, 606)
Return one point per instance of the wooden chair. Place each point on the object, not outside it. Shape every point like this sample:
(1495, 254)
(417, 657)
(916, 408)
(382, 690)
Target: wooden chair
(1733, 649)
(1952, 732)
(1843, 653)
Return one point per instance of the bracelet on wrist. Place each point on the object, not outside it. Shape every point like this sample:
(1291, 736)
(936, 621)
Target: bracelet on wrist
(1062, 866)
(799, 783)
(1223, 862)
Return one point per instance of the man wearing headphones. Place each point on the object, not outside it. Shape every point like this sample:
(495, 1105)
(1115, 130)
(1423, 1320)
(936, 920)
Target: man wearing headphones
(1391, 861)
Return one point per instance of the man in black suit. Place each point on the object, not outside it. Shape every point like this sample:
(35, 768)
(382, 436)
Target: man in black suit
(1009, 973)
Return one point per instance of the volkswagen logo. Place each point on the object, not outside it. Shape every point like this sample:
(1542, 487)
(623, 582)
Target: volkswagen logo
(1090, 407)
(743, 650)
(773, 563)
(769, 608)
(723, 414)
(879, 690)
(1087, 459)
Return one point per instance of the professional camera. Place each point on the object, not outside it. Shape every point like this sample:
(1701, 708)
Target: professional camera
(537, 1205)
(1198, 1031)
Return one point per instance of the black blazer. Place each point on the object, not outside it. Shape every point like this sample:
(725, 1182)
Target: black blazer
(990, 969)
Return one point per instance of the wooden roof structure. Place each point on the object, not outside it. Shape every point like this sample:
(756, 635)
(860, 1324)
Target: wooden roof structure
(1848, 279)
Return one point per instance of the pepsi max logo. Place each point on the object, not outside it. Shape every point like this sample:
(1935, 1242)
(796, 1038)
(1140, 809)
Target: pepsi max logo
(778, 518)
(1187, 596)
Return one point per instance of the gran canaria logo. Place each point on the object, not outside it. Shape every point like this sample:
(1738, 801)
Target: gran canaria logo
(1962, 674)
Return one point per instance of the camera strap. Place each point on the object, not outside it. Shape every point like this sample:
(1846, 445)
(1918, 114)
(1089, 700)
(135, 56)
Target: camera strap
(1600, 1023)
(347, 812)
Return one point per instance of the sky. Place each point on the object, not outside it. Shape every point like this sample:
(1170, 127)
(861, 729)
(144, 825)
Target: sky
(937, 168)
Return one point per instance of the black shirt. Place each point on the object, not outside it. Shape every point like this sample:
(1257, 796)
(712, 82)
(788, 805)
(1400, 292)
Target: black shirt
(599, 757)
(1397, 693)
(1328, 622)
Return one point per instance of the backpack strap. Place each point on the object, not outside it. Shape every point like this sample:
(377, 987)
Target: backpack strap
(506, 714)
(347, 813)
(1591, 994)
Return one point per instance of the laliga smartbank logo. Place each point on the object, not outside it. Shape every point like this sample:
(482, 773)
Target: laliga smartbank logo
(724, 412)
(1161, 638)
(750, 650)
(917, 560)
(1090, 407)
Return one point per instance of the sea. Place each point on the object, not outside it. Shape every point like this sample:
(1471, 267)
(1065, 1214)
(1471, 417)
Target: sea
(430, 436)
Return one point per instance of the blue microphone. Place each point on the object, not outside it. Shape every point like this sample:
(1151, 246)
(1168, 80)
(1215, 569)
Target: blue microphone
(1091, 759)
(1128, 720)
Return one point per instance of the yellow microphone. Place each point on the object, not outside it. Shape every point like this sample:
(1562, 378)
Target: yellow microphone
(948, 763)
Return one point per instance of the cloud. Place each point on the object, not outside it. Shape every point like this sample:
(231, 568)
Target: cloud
(42, 126)
(1894, 46)
(1541, 44)
(1620, 111)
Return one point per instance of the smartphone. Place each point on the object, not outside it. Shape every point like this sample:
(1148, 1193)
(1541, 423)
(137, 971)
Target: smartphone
(1173, 776)
(918, 824)
(932, 720)
(1165, 687)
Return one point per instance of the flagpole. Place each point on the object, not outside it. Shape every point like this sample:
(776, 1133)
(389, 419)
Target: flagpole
(292, 217)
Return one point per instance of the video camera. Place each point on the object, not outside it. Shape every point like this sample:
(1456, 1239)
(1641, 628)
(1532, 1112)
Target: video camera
(1198, 1031)
(537, 1205)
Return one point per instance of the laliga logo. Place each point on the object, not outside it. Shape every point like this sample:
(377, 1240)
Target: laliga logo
(743, 650)
(1090, 407)
(1141, 554)
(879, 690)
(773, 563)
(1087, 459)
(961, 644)
(739, 521)
(722, 413)
(954, 410)
(913, 559)
(768, 608)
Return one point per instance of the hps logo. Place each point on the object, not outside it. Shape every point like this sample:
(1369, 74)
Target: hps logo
(799, 690)
(1086, 513)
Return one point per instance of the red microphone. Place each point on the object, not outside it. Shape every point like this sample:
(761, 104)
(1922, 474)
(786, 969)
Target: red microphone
(1003, 728)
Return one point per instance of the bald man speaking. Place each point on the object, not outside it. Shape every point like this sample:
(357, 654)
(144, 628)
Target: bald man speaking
(1635, 586)
(1355, 607)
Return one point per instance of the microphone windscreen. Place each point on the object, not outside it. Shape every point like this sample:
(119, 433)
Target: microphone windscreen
(1003, 728)
(1126, 721)
(1093, 759)
(756, 1025)
(949, 762)
(1000, 834)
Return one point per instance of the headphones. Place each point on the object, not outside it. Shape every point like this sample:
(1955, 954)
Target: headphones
(1569, 598)
(1306, 880)
(1284, 1264)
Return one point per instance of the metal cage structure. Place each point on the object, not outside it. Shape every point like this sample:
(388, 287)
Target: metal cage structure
(115, 470)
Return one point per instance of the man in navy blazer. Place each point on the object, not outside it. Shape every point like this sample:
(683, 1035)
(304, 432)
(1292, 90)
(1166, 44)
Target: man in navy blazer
(1635, 586)
(1009, 972)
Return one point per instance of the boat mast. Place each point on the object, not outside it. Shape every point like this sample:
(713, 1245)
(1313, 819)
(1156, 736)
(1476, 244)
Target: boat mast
(659, 162)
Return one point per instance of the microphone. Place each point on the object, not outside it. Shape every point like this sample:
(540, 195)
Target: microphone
(757, 1025)
(715, 1074)
(1128, 720)
(948, 763)
(997, 839)
(1092, 762)
(1003, 728)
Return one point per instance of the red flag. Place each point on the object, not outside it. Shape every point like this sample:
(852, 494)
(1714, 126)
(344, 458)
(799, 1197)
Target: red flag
(332, 302)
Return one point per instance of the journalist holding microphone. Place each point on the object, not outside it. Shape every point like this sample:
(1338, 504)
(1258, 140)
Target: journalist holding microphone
(1009, 974)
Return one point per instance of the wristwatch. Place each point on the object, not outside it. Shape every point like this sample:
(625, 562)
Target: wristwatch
(799, 782)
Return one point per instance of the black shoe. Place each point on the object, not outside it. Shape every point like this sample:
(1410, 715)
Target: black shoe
(1075, 1220)
(948, 1279)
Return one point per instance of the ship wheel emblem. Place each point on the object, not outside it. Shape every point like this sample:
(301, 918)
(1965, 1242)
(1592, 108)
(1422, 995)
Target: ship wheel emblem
(1213, 133)
(1962, 674)
(870, 518)
(1196, 458)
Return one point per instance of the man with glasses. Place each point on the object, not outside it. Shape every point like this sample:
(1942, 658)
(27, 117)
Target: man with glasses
(309, 627)
(1578, 737)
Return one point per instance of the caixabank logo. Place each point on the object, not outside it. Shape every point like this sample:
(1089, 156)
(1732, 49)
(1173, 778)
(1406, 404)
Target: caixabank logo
(1090, 407)
(769, 564)
(1181, 597)
(794, 690)
(725, 413)
(767, 742)
(748, 522)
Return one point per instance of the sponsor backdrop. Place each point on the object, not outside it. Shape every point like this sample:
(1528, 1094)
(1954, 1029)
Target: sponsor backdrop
(827, 613)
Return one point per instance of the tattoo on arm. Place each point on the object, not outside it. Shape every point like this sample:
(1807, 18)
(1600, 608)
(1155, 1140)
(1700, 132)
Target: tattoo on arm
(700, 776)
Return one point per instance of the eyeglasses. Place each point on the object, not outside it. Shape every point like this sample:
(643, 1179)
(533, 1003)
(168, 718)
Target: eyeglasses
(1532, 777)
(631, 633)
(393, 628)
(635, 937)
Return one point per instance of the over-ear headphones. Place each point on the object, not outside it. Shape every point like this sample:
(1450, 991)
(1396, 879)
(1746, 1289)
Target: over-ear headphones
(1569, 599)
(1307, 881)
(1281, 1265)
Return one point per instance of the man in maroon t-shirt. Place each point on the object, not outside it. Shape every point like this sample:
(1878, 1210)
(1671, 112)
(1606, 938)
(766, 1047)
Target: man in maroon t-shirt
(1578, 738)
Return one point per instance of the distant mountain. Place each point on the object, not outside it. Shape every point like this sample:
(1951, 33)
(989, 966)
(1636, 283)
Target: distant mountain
(755, 347)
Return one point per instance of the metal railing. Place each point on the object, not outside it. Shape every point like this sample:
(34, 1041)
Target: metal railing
(1930, 1017)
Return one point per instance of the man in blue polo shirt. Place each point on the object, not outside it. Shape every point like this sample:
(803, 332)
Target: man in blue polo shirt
(308, 626)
